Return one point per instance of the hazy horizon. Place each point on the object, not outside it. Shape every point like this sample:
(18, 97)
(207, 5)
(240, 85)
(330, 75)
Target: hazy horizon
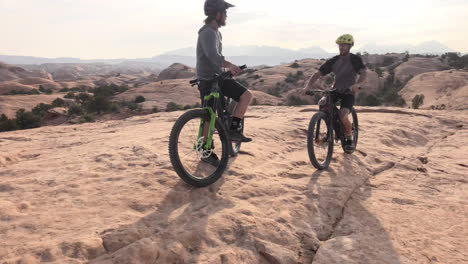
(108, 29)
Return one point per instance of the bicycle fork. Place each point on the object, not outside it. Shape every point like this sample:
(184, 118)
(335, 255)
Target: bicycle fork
(201, 132)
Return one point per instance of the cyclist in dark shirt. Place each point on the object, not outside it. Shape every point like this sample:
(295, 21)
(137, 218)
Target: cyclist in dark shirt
(346, 67)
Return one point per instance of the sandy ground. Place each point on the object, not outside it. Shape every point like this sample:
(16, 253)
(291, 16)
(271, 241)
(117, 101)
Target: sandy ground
(106, 193)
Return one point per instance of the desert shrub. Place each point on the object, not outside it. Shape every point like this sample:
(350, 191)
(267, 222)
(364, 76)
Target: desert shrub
(417, 101)
(41, 109)
(19, 92)
(84, 98)
(108, 91)
(70, 95)
(75, 110)
(140, 99)
(27, 120)
(59, 102)
(294, 78)
(7, 124)
(155, 109)
(294, 65)
(88, 118)
(296, 100)
(455, 60)
(99, 104)
(254, 102)
(369, 100)
(172, 106)
(44, 90)
(275, 91)
(388, 60)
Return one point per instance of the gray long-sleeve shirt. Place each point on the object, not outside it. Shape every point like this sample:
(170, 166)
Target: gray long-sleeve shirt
(209, 53)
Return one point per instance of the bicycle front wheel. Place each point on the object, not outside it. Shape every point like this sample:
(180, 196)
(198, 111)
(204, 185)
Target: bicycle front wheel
(320, 141)
(187, 150)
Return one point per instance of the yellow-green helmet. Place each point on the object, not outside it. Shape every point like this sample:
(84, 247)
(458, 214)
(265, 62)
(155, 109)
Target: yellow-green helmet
(345, 39)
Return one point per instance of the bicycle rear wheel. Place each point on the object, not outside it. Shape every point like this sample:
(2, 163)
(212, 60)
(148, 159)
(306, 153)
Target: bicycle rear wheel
(320, 141)
(186, 149)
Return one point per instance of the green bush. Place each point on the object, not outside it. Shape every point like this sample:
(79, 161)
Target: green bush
(388, 60)
(369, 100)
(132, 106)
(27, 120)
(59, 102)
(41, 109)
(455, 60)
(417, 101)
(294, 65)
(254, 102)
(140, 99)
(88, 118)
(98, 104)
(171, 107)
(7, 124)
(155, 109)
(114, 108)
(84, 98)
(296, 100)
(108, 91)
(75, 110)
(70, 95)
(64, 90)
(197, 105)
(44, 90)
(19, 92)
(275, 91)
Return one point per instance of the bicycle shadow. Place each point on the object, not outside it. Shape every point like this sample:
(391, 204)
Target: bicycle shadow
(178, 227)
(353, 233)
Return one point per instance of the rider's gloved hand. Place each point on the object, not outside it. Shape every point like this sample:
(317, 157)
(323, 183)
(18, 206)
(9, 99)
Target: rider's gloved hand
(235, 70)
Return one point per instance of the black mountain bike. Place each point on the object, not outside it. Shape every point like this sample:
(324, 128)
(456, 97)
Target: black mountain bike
(200, 133)
(325, 127)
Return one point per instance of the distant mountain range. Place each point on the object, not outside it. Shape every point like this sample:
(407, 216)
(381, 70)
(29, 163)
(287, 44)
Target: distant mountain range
(250, 55)
(429, 47)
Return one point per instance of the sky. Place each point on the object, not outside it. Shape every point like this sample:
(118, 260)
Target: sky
(104, 29)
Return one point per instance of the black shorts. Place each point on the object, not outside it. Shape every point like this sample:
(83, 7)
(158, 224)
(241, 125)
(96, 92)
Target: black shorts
(347, 100)
(229, 88)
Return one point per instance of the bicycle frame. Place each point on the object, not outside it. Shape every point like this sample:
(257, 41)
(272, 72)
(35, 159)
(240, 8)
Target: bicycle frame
(212, 113)
(329, 108)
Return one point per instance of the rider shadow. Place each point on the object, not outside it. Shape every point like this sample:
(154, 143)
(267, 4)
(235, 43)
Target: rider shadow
(178, 226)
(354, 222)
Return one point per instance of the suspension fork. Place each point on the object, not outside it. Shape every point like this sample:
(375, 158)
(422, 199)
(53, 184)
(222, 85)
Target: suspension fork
(209, 140)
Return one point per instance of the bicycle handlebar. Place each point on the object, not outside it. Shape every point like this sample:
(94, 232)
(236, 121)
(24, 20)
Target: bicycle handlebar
(312, 92)
(223, 75)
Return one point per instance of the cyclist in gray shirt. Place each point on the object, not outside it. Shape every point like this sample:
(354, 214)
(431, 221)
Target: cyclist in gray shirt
(210, 61)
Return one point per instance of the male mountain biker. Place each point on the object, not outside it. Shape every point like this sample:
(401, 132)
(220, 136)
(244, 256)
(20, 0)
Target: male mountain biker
(346, 67)
(210, 61)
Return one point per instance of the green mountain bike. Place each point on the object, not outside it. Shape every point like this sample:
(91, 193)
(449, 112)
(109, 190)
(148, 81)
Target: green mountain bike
(201, 133)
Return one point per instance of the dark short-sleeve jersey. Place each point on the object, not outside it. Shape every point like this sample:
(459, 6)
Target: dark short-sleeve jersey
(345, 69)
